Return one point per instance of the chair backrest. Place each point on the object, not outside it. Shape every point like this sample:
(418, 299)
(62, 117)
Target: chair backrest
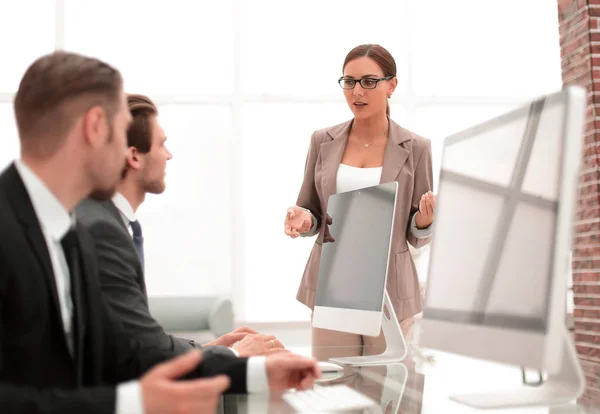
(189, 314)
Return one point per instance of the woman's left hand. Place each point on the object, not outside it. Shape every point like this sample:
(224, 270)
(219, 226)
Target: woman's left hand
(424, 216)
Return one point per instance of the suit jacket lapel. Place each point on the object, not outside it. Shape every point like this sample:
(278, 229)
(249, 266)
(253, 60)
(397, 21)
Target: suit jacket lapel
(396, 153)
(33, 230)
(112, 208)
(332, 152)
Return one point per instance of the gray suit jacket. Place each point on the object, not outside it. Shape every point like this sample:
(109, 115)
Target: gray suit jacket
(122, 277)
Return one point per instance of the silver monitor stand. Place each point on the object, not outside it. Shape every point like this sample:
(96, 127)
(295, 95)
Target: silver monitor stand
(396, 348)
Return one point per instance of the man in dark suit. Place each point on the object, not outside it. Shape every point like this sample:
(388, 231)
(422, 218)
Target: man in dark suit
(119, 242)
(61, 348)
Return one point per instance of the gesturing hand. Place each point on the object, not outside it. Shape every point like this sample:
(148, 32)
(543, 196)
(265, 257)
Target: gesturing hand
(297, 220)
(424, 216)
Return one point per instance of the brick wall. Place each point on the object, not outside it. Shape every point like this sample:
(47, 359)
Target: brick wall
(580, 56)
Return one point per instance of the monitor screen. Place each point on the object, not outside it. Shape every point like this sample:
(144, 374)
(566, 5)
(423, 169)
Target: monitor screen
(495, 220)
(353, 268)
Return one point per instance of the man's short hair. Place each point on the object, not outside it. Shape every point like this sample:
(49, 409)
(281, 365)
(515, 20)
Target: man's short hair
(55, 90)
(139, 134)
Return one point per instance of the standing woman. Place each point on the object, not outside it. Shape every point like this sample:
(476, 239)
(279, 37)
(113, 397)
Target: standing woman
(367, 150)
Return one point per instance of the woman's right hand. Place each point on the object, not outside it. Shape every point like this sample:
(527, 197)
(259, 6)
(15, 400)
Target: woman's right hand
(297, 220)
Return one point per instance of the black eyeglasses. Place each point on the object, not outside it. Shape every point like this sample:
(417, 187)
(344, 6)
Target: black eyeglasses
(366, 83)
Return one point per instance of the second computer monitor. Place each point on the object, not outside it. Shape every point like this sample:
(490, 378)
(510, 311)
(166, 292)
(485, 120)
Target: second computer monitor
(353, 268)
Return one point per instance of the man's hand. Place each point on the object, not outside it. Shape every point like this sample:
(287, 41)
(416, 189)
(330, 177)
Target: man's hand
(286, 370)
(162, 393)
(231, 338)
(256, 344)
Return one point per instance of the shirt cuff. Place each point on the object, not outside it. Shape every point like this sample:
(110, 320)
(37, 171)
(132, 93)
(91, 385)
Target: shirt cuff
(256, 380)
(417, 232)
(129, 398)
(235, 352)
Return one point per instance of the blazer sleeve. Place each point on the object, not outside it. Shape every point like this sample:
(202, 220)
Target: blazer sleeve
(423, 183)
(308, 197)
(145, 343)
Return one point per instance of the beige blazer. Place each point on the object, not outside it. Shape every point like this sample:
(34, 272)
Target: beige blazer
(407, 160)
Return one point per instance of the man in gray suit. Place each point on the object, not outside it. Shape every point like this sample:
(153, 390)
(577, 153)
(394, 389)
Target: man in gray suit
(119, 244)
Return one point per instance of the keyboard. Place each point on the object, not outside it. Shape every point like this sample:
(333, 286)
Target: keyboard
(334, 398)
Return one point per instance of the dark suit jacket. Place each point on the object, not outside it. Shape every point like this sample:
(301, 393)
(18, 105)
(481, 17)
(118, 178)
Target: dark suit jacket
(122, 278)
(37, 372)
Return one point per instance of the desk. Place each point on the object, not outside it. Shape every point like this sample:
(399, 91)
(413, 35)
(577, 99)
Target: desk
(422, 383)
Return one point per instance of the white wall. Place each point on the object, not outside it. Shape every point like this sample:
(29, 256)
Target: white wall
(242, 84)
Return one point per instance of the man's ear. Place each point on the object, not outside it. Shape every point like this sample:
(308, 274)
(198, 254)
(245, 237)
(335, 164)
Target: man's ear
(95, 127)
(133, 158)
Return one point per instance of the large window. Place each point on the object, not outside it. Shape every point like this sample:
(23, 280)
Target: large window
(242, 85)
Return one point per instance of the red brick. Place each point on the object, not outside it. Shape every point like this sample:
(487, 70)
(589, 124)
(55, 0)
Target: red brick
(589, 138)
(588, 213)
(582, 289)
(588, 251)
(590, 188)
(575, 33)
(590, 399)
(572, 30)
(594, 11)
(586, 313)
(568, 10)
(587, 202)
(577, 77)
(579, 38)
(590, 150)
(587, 302)
(589, 176)
(587, 338)
(586, 228)
(578, 45)
(581, 59)
(587, 326)
(588, 351)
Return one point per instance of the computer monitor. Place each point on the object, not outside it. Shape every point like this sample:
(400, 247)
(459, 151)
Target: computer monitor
(501, 240)
(351, 288)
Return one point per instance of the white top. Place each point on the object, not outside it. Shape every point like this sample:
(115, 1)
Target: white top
(351, 178)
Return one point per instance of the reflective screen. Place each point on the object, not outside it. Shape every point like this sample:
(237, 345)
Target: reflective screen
(491, 255)
(353, 268)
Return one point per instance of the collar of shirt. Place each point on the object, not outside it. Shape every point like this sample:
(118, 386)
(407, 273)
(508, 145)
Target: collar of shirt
(124, 208)
(54, 219)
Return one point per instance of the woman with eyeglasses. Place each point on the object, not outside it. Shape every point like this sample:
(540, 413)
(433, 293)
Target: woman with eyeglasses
(367, 150)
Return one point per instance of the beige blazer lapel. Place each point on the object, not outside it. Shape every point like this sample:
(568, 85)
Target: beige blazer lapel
(395, 154)
(332, 152)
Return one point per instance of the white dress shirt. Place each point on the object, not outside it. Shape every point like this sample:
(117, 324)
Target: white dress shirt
(55, 222)
(256, 374)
